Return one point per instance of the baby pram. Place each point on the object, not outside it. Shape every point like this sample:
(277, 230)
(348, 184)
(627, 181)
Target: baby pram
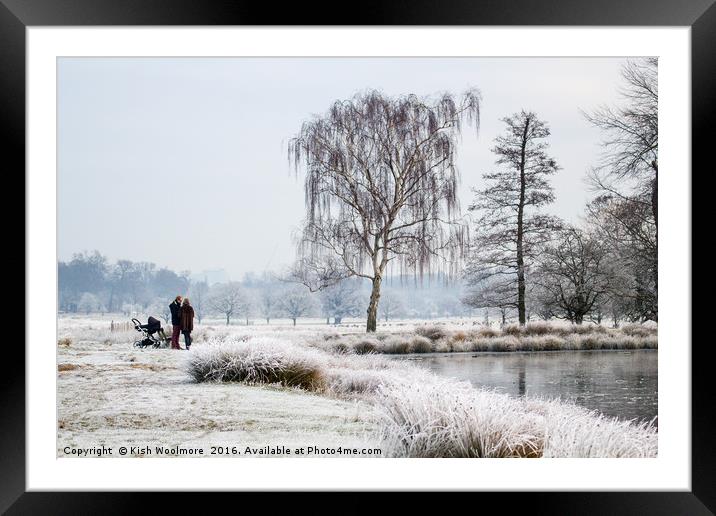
(152, 333)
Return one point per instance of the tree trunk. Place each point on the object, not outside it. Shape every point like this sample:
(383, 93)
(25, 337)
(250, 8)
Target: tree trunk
(655, 214)
(578, 318)
(655, 195)
(520, 281)
(267, 321)
(520, 233)
(337, 320)
(294, 321)
(227, 319)
(373, 305)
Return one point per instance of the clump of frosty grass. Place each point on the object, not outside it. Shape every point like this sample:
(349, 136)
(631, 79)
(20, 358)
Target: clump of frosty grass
(446, 419)
(422, 415)
(451, 419)
(260, 361)
(270, 360)
(536, 336)
(573, 431)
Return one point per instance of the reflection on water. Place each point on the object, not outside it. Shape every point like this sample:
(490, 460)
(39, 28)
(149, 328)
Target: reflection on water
(622, 384)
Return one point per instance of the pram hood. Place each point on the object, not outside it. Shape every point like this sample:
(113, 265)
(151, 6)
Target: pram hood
(152, 325)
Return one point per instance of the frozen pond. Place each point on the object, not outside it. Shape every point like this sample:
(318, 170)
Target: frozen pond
(616, 383)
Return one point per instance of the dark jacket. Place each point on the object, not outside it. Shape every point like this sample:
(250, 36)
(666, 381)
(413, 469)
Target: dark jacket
(187, 318)
(176, 313)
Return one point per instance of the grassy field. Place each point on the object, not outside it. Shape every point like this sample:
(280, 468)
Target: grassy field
(315, 384)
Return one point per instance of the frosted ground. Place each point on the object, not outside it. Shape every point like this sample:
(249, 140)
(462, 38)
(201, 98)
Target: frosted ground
(114, 395)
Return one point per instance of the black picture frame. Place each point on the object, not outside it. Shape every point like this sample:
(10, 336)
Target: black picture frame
(16, 15)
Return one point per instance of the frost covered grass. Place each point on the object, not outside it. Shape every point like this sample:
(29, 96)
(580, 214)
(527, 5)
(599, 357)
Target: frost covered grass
(575, 432)
(112, 393)
(267, 360)
(332, 385)
(447, 419)
(540, 336)
(398, 338)
(93, 330)
(263, 360)
(419, 414)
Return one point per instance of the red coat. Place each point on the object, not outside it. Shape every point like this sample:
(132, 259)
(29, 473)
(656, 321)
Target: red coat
(187, 318)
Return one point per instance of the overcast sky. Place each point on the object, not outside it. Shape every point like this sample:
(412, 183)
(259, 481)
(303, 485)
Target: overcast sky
(183, 162)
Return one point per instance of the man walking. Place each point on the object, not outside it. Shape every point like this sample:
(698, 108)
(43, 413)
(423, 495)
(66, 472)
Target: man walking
(175, 309)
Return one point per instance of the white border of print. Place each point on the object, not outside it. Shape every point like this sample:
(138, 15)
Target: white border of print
(671, 470)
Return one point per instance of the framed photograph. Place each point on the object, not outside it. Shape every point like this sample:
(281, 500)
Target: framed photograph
(428, 251)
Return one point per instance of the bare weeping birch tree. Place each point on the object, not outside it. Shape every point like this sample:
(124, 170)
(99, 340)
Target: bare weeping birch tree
(381, 188)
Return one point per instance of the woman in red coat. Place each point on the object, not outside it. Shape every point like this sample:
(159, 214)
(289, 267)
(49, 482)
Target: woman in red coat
(187, 321)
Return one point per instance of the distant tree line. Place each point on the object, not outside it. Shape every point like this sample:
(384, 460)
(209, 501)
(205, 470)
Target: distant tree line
(90, 283)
